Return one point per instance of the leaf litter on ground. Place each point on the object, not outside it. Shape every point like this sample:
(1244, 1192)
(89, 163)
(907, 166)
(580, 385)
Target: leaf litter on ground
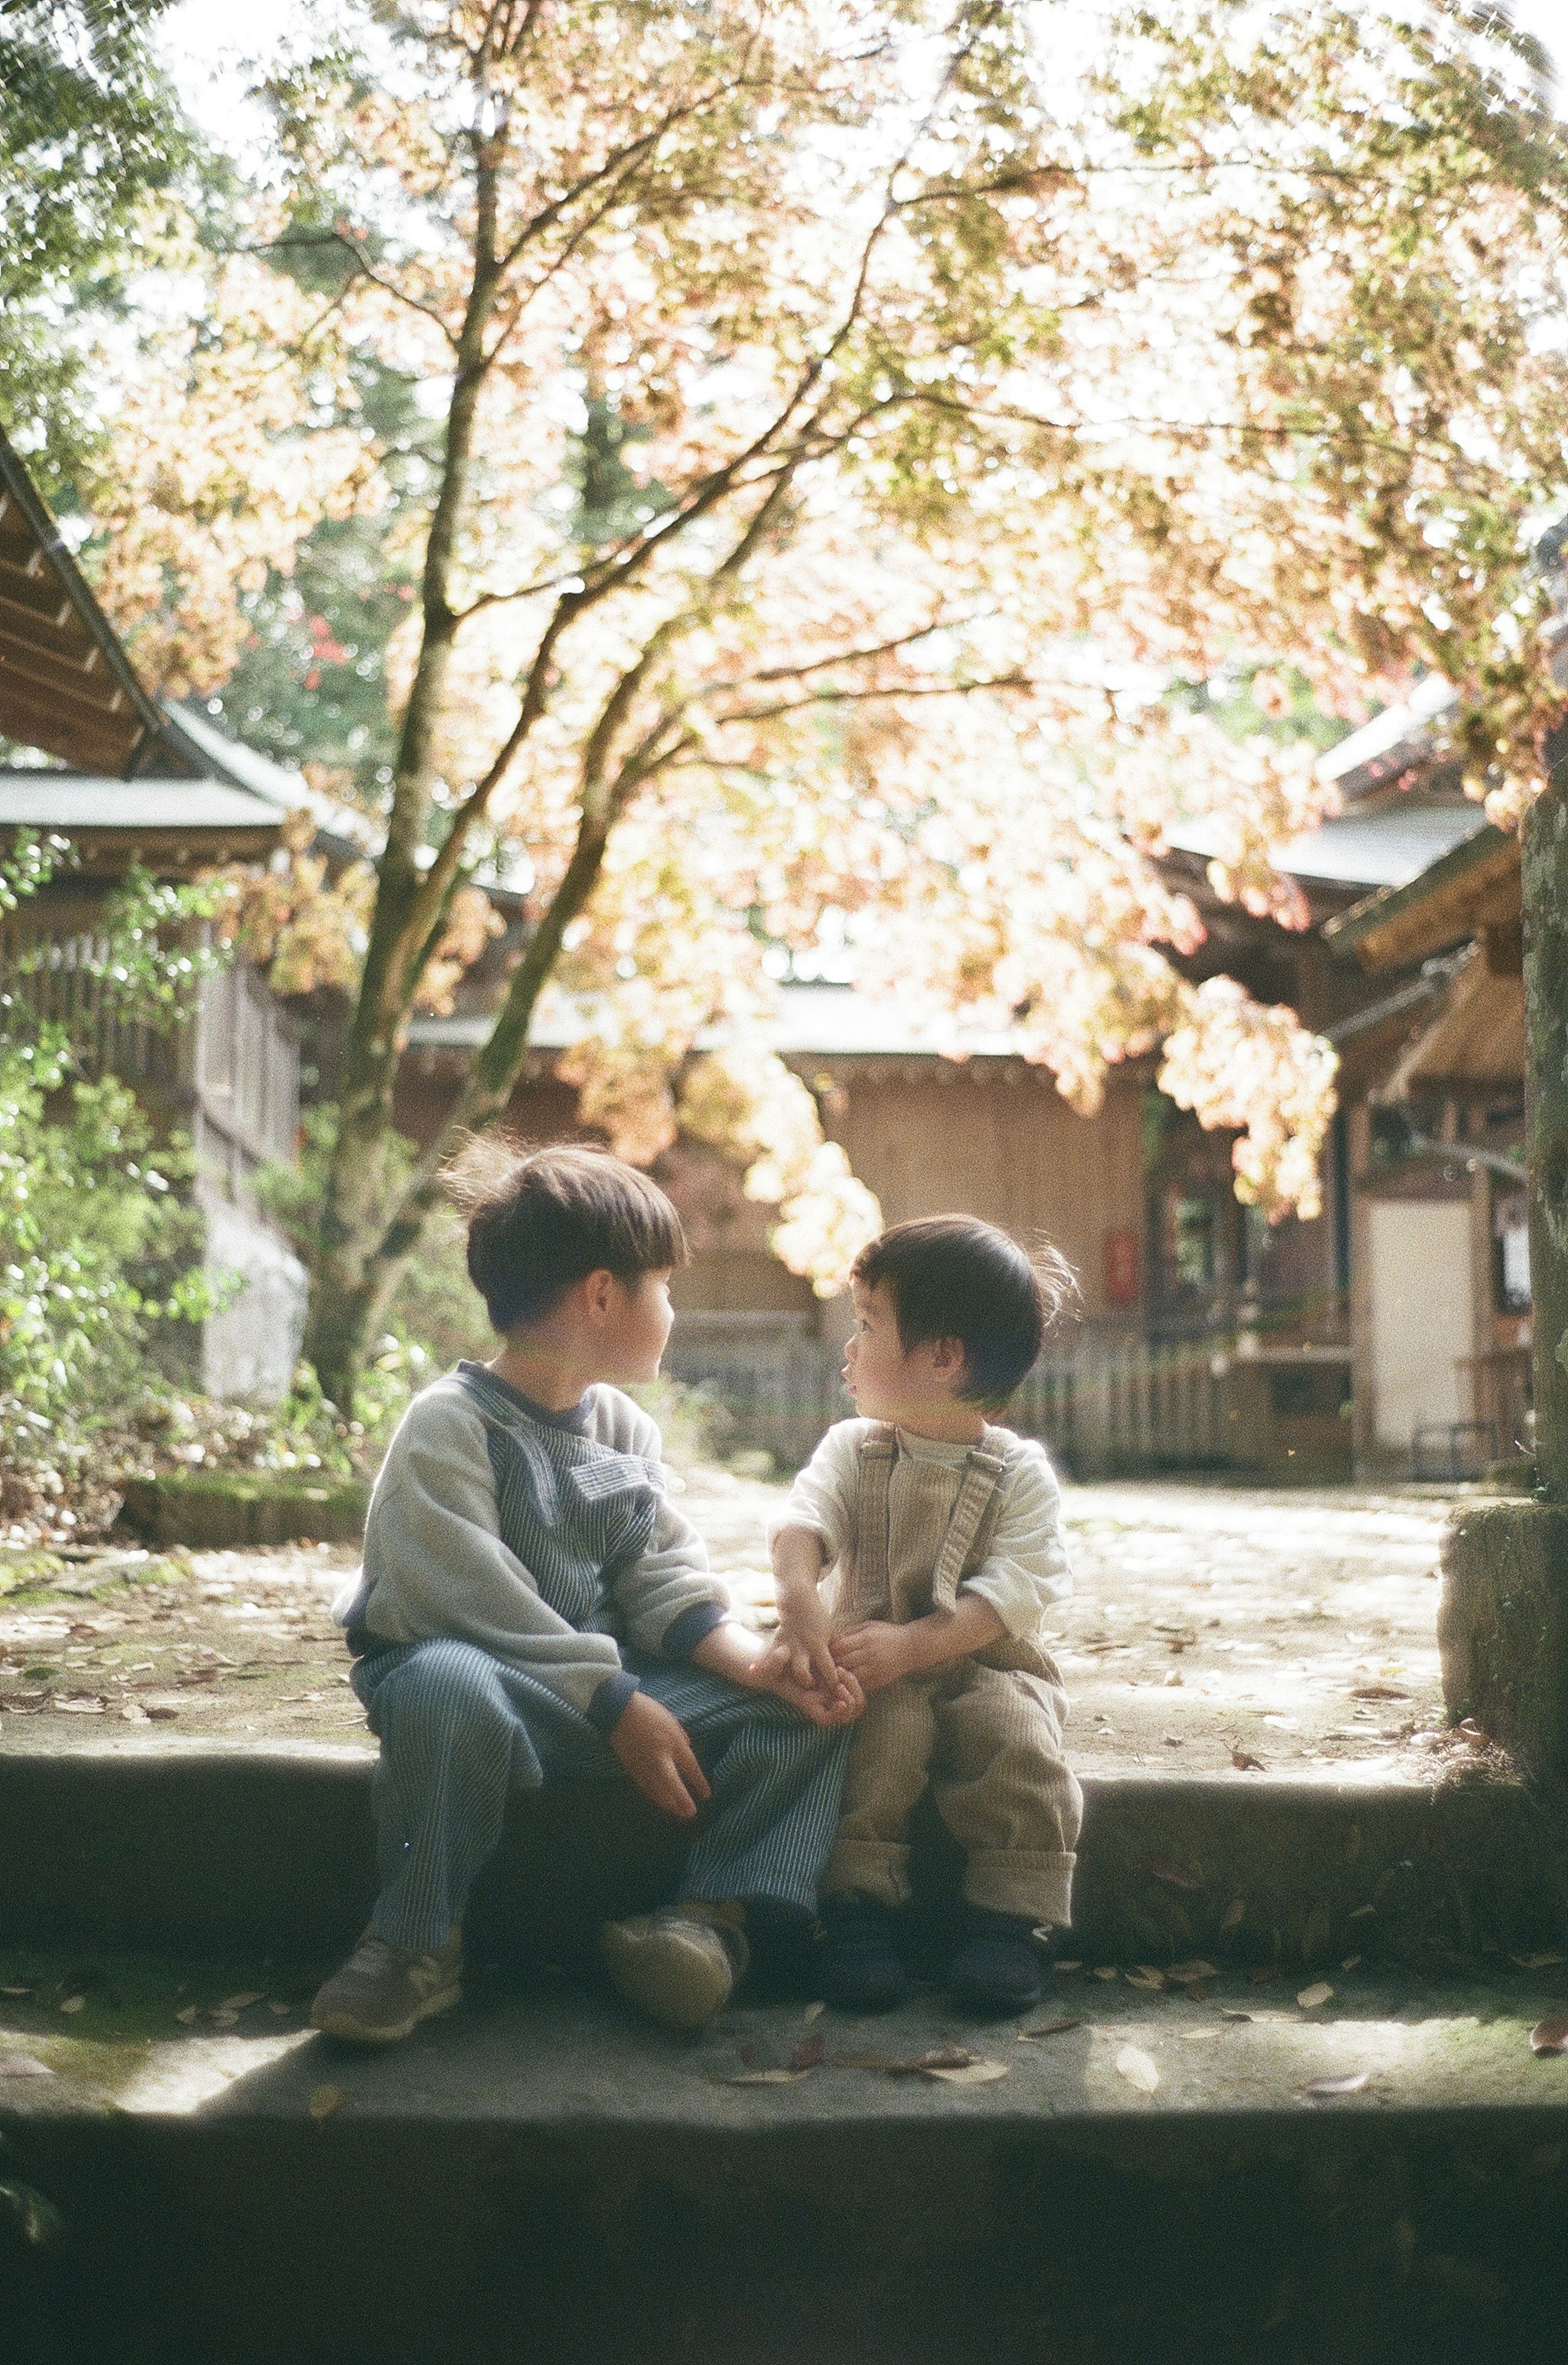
(1549, 2037)
(1137, 2067)
(1319, 1992)
(1324, 2089)
(952, 2064)
(1049, 2028)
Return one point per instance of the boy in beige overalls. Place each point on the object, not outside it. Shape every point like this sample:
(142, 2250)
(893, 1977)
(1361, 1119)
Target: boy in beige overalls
(944, 1536)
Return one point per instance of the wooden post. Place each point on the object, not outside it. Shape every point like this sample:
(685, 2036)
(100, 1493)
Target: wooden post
(1545, 869)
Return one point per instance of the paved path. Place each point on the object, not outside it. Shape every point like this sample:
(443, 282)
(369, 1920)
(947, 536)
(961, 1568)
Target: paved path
(1294, 1628)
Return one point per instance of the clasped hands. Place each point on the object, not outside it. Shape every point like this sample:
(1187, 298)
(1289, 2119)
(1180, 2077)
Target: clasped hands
(817, 1659)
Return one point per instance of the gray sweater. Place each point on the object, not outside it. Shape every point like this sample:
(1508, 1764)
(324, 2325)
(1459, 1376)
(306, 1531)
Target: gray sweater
(544, 1538)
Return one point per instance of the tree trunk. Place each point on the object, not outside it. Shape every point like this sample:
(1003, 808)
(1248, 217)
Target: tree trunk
(1545, 864)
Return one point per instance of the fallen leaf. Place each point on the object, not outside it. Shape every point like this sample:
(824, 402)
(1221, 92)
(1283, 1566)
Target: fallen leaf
(1472, 1733)
(973, 2073)
(1105, 1970)
(1310, 1997)
(15, 1990)
(279, 2004)
(1145, 1976)
(189, 2017)
(133, 1712)
(1262, 1973)
(762, 2077)
(1380, 1691)
(808, 2053)
(1201, 2035)
(162, 1715)
(1049, 2028)
(22, 2064)
(1520, 1962)
(1174, 1876)
(325, 2099)
(1354, 2081)
(1549, 2037)
(242, 2002)
(1186, 1974)
(83, 1704)
(75, 2004)
(1350, 1962)
(940, 2056)
(1135, 2065)
(1245, 1763)
(1226, 2014)
(1067, 1967)
(814, 2012)
(1234, 1914)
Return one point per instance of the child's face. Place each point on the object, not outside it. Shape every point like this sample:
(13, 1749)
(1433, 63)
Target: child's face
(638, 1319)
(886, 1383)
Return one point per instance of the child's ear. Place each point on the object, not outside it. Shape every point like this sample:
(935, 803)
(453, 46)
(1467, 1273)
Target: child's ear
(597, 1291)
(948, 1359)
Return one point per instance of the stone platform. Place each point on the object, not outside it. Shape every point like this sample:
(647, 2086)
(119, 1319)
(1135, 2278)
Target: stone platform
(178, 1847)
(544, 2177)
(541, 2176)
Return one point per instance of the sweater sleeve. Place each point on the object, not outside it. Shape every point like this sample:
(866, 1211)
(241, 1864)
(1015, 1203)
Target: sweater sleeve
(1027, 1568)
(435, 1564)
(823, 1495)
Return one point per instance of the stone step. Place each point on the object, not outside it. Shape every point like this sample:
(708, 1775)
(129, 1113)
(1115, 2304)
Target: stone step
(540, 2176)
(176, 1846)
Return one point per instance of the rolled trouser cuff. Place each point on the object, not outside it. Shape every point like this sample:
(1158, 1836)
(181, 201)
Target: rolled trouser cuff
(878, 1867)
(1013, 1881)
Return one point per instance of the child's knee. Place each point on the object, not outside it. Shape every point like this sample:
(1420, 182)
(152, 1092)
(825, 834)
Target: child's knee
(445, 1682)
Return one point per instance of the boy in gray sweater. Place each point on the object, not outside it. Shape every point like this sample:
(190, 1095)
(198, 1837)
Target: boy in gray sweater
(531, 1603)
(944, 1536)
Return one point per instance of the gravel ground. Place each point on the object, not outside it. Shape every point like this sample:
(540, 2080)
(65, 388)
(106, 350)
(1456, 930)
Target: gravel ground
(1210, 1624)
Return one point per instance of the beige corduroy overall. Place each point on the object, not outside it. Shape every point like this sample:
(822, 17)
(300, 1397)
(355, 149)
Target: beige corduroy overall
(985, 1731)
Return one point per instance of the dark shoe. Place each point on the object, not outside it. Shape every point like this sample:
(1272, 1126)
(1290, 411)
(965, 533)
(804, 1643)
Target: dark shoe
(782, 1939)
(997, 1969)
(859, 1968)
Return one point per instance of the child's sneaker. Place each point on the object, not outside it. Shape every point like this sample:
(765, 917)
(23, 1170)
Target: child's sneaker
(997, 1968)
(859, 1968)
(680, 1965)
(383, 1992)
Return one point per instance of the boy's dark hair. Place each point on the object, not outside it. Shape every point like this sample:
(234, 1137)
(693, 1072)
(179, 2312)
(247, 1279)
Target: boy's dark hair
(954, 1277)
(540, 1220)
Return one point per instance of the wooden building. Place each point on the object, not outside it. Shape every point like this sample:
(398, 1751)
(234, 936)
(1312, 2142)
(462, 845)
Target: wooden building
(124, 778)
(1441, 1303)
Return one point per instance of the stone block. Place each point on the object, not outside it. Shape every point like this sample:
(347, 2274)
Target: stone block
(1503, 1627)
(227, 1511)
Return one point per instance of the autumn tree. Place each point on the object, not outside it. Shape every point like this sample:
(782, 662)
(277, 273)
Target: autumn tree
(849, 431)
(91, 137)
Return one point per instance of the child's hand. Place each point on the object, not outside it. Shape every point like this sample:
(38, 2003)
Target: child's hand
(805, 1640)
(875, 1654)
(839, 1703)
(653, 1747)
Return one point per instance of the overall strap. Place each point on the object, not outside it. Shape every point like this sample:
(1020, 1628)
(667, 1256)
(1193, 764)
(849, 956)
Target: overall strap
(878, 1451)
(971, 1523)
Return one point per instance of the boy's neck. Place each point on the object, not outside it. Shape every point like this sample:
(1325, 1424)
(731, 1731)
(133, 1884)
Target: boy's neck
(539, 1370)
(945, 1422)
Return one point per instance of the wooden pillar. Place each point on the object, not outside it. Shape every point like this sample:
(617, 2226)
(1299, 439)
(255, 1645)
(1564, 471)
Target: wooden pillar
(1545, 864)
